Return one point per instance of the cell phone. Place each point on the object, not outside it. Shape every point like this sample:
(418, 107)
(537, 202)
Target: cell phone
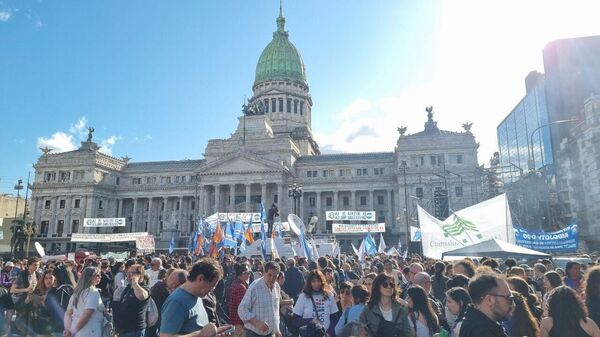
(230, 330)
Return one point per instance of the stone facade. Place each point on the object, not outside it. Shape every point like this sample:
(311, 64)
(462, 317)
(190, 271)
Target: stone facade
(580, 170)
(272, 147)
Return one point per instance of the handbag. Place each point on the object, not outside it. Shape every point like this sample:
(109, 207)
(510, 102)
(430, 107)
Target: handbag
(313, 329)
(152, 313)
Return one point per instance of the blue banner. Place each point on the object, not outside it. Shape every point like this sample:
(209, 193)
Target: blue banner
(564, 240)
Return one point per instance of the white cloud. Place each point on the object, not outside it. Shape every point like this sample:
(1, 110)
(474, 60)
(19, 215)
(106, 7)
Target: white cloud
(58, 142)
(79, 128)
(5, 15)
(107, 144)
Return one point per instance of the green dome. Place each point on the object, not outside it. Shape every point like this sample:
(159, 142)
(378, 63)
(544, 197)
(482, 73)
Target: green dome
(280, 59)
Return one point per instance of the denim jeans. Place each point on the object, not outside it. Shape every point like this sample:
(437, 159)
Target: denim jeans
(139, 333)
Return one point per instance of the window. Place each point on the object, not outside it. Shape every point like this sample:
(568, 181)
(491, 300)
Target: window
(64, 175)
(301, 107)
(422, 160)
(458, 190)
(162, 206)
(44, 228)
(380, 200)
(99, 204)
(419, 192)
(47, 204)
(433, 160)
(118, 180)
(346, 201)
(381, 219)
(440, 159)
(194, 204)
(61, 204)
(49, 176)
(363, 200)
(328, 173)
(60, 227)
(136, 181)
(281, 105)
(380, 170)
(75, 226)
(177, 206)
(77, 203)
(273, 105)
(147, 205)
(295, 106)
(329, 201)
(266, 105)
(289, 105)
(361, 172)
(312, 201)
(183, 179)
(177, 179)
(459, 159)
(309, 174)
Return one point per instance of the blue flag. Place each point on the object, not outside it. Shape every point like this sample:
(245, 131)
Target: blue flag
(263, 235)
(238, 230)
(172, 243)
(229, 241)
(370, 246)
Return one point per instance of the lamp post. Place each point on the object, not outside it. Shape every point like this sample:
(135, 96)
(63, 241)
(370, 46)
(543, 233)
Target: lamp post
(295, 192)
(18, 188)
(531, 161)
(404, 167)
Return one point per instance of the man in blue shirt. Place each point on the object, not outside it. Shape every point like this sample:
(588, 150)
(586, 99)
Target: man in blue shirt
(183, 313)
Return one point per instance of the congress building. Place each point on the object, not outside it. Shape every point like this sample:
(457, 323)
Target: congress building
(272, 147)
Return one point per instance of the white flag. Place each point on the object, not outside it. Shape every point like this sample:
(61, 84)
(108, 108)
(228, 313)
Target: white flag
(381, 248)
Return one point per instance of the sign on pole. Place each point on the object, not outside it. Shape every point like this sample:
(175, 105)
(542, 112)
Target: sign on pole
(104, 222)
(338, 228)
(350, 215)
(144, 244)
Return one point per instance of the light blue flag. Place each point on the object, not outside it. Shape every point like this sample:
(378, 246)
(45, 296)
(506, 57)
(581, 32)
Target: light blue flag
(229, 240)
(172, 243)
(263, 235)
(307, 249)
(370, 246)
(238, 230)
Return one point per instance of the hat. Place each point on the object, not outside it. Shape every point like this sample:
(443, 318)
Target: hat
(9, 264)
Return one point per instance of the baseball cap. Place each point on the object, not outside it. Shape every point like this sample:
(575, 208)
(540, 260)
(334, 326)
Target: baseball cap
(9, 264)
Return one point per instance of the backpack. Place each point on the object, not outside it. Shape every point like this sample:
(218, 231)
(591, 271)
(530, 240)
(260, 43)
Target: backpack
(63, 295)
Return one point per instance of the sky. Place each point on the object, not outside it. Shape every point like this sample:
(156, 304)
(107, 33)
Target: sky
(158, 79)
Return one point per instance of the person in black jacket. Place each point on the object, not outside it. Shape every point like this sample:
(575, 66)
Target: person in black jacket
(294, 280)
(492, 303)
(273, 212)
(591, 284)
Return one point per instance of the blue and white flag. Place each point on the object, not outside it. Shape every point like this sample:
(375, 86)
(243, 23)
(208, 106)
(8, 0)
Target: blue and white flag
(370, 246)
(172, 243)
(263, 235)
(238, 230)
(354, 249)
(229, 241)
(382, 246)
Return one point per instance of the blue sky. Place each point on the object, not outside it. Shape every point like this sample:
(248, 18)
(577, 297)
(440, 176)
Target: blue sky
(158, 79)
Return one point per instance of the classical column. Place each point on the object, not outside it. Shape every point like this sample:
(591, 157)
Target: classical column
(280, 199)
(69, 206)
(353, 200)
(301, 207)
(150, 228)
(248, 197)
(206, 200)
(217, 197)
(390, 213)
(83, 214)
(54, 221)
(335, 200)
(320, 230)
(133, 216)
(371, 202)
(180, 227)
(119, 208)
(164, 213)
(232, 198)
(263, 194)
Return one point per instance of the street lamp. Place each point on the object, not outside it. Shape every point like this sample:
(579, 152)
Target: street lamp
(531, 161)
(18, 188)
(295, 192)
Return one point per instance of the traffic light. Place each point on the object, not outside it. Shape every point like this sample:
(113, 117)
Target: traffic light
(440, 204)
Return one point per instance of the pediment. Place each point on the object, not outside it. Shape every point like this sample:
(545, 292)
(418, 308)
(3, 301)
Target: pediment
(240, 163)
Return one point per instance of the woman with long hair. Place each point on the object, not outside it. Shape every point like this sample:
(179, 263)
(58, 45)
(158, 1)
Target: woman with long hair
(567, 316)
(42, 321)
(23, 286)
(591, 286)
(520, 285)
(421, 314)
(85, 313)
(521, 322)
(551, 281)
(384, 316)
(457, 301)
(315, 303)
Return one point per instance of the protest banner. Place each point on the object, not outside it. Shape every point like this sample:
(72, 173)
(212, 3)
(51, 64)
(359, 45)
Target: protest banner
(338, 228)
(117, 237)
(103, 222)
(564, 240)
(144, 244)
(350, 215)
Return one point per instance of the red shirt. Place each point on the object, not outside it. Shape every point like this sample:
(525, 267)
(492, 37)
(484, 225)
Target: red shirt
(237, 292)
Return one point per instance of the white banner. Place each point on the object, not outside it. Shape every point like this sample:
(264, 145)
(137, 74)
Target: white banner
(104, 222)
(489, 219)
(117, 237)
(117, 256)
(350, 215)
(224, 217)
(144, 244)
(338, 228)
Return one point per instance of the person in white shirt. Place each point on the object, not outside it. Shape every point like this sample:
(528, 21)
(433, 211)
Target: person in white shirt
(155, 268)
(315, 302)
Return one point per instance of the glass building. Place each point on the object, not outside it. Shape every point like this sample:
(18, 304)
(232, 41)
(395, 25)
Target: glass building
(515, 136)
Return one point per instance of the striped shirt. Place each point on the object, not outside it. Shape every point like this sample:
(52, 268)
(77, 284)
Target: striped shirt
(261, 303)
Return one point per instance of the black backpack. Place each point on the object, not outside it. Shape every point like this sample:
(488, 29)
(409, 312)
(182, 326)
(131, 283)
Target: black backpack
(63, 295)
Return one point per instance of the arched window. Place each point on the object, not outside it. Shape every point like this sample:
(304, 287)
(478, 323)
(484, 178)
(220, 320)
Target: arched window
(266, 105)
(295, 106)
(289, 105)
(281, 105)
(301, 107)
(273, 105)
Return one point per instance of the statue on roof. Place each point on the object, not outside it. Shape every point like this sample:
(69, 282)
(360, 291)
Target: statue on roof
(467, 126)
(429, 110)
(252, 109)
(90, 132)
(402, 130)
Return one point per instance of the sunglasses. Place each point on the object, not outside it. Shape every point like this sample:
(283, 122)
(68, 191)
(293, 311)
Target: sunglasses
(346, 291)
(390, 285)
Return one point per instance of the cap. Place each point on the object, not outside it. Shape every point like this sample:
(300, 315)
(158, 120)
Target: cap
(9, 264)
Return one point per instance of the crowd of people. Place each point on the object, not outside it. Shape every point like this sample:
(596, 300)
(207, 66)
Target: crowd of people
(382, 295)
